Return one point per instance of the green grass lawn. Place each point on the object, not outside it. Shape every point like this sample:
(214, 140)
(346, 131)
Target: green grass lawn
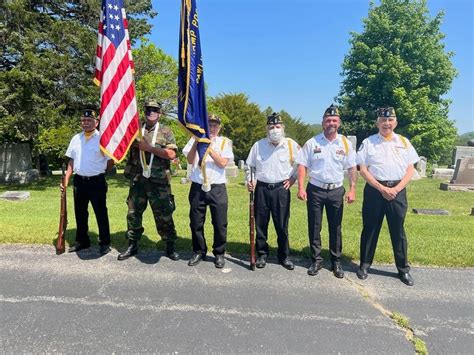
(432, 240)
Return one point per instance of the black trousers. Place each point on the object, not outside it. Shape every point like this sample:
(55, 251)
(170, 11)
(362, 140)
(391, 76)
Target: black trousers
(333, 201)
(92, 190)
(374, 209)
(275, 202)
(217, 201)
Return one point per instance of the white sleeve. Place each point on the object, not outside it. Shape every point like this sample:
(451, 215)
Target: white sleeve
(252, 158)
(304, 154)
(188, 146)
(70, 153)
(413, 157)
(227, 151)
(361, 157)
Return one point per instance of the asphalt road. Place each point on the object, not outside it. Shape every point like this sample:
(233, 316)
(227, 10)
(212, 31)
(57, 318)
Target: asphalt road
(86, 303)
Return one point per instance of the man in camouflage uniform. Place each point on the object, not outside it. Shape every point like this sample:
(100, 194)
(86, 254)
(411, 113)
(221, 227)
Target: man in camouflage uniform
(148, 168)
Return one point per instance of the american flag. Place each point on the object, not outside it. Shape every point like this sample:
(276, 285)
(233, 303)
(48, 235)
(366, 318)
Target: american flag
(119, 123)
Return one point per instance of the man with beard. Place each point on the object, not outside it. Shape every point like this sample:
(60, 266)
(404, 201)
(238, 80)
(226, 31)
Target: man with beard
(386, 162)
(325, 157)
(273, 160)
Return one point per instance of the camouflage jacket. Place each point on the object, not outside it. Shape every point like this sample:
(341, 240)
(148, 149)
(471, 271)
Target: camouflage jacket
(160, 172)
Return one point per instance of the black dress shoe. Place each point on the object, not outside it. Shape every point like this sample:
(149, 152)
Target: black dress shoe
(261, 261)
(131, 250)
(104, 249)
(362, 273)
(196, 259)
(287, 264)
(337, 269)
(77, 247)
(406, 278)
(219, 261)
(171, 252)
(314, 268)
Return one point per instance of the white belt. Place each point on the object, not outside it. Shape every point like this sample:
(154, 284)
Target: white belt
(325, 186)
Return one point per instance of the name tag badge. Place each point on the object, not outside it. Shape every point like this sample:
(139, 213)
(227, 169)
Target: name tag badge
(317, 150)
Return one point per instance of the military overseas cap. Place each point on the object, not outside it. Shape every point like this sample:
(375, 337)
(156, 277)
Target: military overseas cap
(214, 118)
(89, 113)
(331, 111)
(386, 112)
(274, 118)
(153, 104)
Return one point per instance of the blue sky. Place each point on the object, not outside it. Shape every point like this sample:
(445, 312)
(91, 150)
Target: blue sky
(287, 54)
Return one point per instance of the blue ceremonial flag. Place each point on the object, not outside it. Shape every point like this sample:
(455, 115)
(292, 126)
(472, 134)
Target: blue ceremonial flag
(192, 111)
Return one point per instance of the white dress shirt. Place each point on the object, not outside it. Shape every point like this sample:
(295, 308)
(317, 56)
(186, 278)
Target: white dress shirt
(87, 156)
(272, 163)
(387, 160)
(215, 174)
(327, 160)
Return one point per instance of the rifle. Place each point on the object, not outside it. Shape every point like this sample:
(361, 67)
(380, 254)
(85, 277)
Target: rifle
(60, 242)
(252, 223)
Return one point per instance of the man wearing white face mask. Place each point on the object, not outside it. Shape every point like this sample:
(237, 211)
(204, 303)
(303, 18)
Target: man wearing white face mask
(273, 160)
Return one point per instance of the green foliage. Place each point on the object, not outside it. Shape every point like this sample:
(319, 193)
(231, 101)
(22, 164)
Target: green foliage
(156, 76)
(399, 60)
(47, 63)
(247, 122)
(463, 138)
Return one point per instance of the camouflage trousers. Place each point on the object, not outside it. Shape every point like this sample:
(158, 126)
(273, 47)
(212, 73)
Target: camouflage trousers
(162, 205)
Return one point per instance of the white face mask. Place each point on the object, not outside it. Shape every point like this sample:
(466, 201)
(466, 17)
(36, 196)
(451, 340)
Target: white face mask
(275, 135)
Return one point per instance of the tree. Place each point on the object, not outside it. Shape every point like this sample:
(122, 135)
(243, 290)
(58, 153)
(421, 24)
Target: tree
(156, 76)
(246, 122)
(399, 60)
(47, 62)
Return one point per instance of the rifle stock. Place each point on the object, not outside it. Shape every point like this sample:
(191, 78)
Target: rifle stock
(252, 225)
(61, 242)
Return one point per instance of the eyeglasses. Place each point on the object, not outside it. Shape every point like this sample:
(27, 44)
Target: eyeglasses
(149, 111)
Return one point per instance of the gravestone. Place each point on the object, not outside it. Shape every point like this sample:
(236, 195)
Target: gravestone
(15, 195)
(462, 152)
(241, 164)
(421, 167)
(231, 169)
(443, 174)
(431, 211)
(15, 164)
(353, 140)
(463, 178)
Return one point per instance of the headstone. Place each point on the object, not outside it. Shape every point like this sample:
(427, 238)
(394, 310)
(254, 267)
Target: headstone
(231, 169)
(421, 167)
(15, 195)
(430, 211)
(416, 175)
(443, 174)
(462, 152)
(353, 140)
(470, 142)
(241, 164)
(15, 164)
(463, 178)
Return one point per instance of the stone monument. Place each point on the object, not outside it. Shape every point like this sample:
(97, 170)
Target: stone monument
(15, 164)
(421, 167)
(460, 152)
(463, 178)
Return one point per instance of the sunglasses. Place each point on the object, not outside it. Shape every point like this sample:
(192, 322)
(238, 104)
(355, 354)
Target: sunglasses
(151, 110)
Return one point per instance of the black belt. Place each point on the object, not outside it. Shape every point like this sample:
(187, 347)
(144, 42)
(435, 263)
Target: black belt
(389, 183)
(90, 178)
(271, 185)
